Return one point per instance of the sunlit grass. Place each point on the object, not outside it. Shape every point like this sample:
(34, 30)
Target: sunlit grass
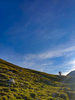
(30, 84)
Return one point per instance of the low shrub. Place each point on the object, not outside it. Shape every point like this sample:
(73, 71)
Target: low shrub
(32, 95)
(3, 84)
(14, 89)
(6, 89)
(25, 97)
(5, 98)
(64, 96)
(51, 98)
(18, 97)
(2, 93)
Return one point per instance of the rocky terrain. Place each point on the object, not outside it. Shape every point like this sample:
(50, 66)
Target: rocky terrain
(17, 83)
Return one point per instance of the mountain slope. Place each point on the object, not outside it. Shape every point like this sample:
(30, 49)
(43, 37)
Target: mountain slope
(72, 73)
(17, 83)
(70, 77)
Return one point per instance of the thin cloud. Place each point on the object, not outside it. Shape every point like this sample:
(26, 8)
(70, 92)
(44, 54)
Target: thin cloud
(71, 63)
(40, 61)
(50, 54)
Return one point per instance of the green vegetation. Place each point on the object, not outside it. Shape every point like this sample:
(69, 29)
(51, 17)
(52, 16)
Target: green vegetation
(18, 83)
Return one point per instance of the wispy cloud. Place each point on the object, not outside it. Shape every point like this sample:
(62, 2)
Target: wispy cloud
(50, 54)
(38, 61)
(43, 62)
(71, 62)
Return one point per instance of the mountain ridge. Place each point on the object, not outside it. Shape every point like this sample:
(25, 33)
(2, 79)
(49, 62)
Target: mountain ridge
(71, 73)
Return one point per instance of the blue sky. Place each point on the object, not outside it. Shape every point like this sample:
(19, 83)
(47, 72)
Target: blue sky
(38, 34)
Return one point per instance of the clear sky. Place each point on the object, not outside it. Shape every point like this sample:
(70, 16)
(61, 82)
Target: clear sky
(38, 34)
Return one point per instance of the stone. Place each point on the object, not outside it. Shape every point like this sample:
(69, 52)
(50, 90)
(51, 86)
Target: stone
(53, 94)
(20, 70)
(31, 75)
(37, 99)
(12, 81)
(33, 88)
(42, 76)
(22, 84)
(62, 94)
(69, 92)
(50, 83)
(10, 71)
(57, 93)
(60, 88)
(42, 86)
(38, 79)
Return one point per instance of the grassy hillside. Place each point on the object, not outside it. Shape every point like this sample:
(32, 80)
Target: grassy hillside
(18, 83)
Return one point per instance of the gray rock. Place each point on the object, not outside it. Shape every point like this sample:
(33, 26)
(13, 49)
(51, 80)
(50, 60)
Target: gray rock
(62, 94)
(69, 92)
(33, 88)
(38, 79)
(42, 76)
(65, 88)
(50, 83)
(60, 88)
(53, 94)
(11, 81)
(22, 84)
(31, 75)
(20, 70)
(10, 70)
(37, 99)
(57, 93)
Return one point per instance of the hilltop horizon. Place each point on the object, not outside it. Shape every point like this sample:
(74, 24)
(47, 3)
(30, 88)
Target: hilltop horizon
(40, 71)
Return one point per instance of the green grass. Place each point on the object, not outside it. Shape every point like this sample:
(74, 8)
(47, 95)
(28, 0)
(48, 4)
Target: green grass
(31, 84)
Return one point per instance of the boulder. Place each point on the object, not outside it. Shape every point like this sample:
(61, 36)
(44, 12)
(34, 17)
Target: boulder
(50, 83)
(22, 84)
(55, 94)
(38, 79)
(37, 99)
(20, 70)
(31, 75)
(62, 94)
(42, 76)
(60, 88)
(42, 86)
(33, 88)
(57, 99)
(66, 89)
(11, 81)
